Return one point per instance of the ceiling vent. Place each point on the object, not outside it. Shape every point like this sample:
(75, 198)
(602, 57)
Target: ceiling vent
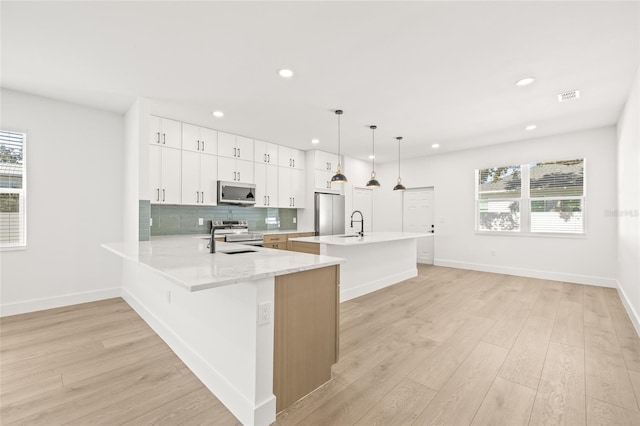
(569, 95)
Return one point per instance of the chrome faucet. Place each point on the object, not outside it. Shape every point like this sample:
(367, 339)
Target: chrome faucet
(212, 241)
(361, 233)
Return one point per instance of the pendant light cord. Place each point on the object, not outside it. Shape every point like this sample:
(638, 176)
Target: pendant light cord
(339, 114)
(373, 149)
(399, 139)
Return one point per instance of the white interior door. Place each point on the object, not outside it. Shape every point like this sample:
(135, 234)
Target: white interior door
(418, 217)
(363, 201)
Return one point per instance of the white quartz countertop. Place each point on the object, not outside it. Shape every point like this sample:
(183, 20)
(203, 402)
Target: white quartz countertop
(186, 261)
(277, 231)
(353, 240)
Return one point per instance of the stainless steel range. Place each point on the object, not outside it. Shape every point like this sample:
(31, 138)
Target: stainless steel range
(237, 231)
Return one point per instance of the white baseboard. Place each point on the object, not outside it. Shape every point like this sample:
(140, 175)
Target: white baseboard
(57, 301)
(212, 379)
(530, 273)
(377, 284)
(635, 318)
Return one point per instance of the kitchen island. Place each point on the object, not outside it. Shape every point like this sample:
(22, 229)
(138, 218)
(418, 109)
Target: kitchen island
(229, 316)
(374, 261)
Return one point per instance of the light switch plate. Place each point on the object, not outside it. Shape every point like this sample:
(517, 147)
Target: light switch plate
(264, 313)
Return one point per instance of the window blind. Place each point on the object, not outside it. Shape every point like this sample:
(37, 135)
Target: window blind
(12, 189)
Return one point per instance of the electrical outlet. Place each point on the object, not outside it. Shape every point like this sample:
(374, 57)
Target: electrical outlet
(169, 297)
(264, 313)
(150, 221)
(295, 220)
(200, 221)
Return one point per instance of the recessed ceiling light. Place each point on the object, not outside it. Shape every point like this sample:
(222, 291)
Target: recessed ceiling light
(371, 157)
(315, 140)
(435, 145)
(525, 81)
(285, 73)
(531, 127)
(218, 114)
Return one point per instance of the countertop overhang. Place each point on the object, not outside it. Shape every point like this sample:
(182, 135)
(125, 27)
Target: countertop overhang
(186, 261)
(369, 238)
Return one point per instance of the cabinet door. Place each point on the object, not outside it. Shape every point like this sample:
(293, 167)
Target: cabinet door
(208, 179)
(325, 161)
(171, 159)
(284, 187)
(284, 156)
(155, 173)
(244, 148)
(227, 169)
(297, 158)
(271, 185)
(271, 150)
(155, 134)
(297, 188)
(322, 179)
(171, 133)
(190, 137)
(208, 141)
(226, 145)
(259, 152)
(245, 171)
(190, 177)
(261, 184)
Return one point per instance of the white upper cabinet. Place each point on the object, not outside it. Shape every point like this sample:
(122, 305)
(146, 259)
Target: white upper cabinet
(266, 185)
(199, 178)
(291, 184)
(232, 170)
(233, 146)
(289, 157)
(164, 175)
(199, 139)
(165, 132)
(325, 161)
(265, 152)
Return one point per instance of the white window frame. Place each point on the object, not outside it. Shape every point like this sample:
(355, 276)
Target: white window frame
(22, 194)
(525, 206)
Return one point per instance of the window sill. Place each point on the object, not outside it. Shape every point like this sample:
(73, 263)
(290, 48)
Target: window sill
(13, 248)
(533, 234)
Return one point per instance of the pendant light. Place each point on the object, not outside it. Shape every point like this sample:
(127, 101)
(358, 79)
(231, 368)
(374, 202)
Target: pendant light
(399, 186)
(339, 177)
(373, 182)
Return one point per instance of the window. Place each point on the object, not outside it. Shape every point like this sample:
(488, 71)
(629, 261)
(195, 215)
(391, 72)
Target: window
(12, 190)
(534, 198)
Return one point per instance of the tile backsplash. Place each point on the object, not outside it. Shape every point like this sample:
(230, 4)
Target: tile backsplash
(177, 219)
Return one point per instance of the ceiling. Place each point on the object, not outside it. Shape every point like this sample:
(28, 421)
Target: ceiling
(432, 72)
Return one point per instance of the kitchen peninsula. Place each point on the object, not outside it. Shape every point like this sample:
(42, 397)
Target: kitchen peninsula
(235, 317)
(374, 261)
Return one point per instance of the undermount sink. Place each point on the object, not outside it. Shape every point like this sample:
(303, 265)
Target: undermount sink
(237, 251)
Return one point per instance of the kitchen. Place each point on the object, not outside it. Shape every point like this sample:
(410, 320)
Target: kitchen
(105, 163)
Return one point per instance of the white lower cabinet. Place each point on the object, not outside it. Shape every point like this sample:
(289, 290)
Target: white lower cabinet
(266, 185)
(234, 170)
(164, 174)
(199, 178)
(291, 188)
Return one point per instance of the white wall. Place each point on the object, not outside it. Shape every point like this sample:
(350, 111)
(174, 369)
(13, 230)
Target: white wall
(629, 203)
(74, 203)
(589, 260)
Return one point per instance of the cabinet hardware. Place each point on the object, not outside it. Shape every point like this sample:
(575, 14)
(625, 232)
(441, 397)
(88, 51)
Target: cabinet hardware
(234, 176)
(293, 204)
(234, 152)
(294, 162)
(238, 176)
(289, 162)
(202, 197)
(158, 140)
(268, 200)
(164, 138)
(198, 145)
(203, 145)
(163, 195)
(268, 158)
(197, 196)
(238, 152)
(264, 200)
(158, 195)
(264, 158)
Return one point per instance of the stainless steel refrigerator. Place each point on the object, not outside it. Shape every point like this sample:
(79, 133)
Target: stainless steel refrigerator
(329, 214)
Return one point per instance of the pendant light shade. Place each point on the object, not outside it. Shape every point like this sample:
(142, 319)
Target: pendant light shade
(339, 177)
(399, 186)
(373, 182)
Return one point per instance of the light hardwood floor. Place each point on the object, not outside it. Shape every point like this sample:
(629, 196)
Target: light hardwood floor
(450, 347)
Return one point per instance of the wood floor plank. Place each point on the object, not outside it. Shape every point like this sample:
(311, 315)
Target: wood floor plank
(568, 327)
(635, 384)
(596, 310)
(546, 305)
(215, 416)
(561, 396)
(458, 400)
(526, 358)
(302, 408)
(506, 403)
(627, 336)
(399, 407)
(600, 413)
(438, 367)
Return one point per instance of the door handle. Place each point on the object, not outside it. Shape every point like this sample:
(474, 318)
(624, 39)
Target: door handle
(238, 176)
(158, 140)
(293, 204)
(158, 195)
(197, 196)
(268, 158)
(203, 145)
(198, 145)
(264, 158)
(234, 152)
(294, 162)
(238, 152)
(163, 195)
(164, 138)
(268, 200)
(202, 197)
(234, 176)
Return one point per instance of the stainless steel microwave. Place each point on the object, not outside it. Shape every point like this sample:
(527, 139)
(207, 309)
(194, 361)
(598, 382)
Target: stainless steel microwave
(236, 193)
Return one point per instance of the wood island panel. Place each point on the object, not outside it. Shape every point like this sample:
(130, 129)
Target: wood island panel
(305, 332)
(304, 247)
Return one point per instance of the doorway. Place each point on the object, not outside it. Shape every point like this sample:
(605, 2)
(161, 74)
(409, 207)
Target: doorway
(363, 201)
(418, 216)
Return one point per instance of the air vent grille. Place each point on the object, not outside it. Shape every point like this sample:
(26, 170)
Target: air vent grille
(568, 95)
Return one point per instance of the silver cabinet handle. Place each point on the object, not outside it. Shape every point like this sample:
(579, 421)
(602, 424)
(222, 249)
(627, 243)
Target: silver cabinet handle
(198, 145)
(164, 138)
(264, 158)
(203, 145)
(268, 158)
(163, 195)
(197, 196)
(202, 197)
(268, 200)
(158, 195)
(238, 152)
(264, 200)
(234, 152)
(238, 176)
(289, 162)
(158, 140)
(294, 162)
(294, 202)
(234, 176)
